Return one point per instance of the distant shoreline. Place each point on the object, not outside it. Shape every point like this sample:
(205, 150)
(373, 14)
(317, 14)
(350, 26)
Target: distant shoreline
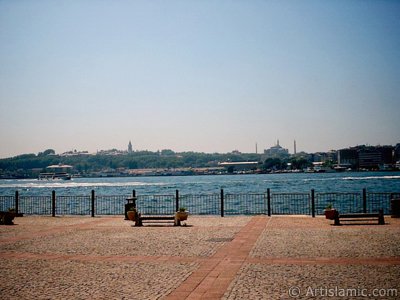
(169, 174)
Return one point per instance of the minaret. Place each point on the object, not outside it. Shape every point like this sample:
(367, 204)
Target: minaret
(256, 148)
(295, 147)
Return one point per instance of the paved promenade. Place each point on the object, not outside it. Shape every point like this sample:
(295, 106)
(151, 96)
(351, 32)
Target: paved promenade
(288, 257)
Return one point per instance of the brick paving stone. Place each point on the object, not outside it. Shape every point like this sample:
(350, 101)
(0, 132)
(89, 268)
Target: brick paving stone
(297, 252)
(68, 279)
(229, 258)
(260, 281)
(216, 258)
(64, 258)
(118, 237)
(308, 237)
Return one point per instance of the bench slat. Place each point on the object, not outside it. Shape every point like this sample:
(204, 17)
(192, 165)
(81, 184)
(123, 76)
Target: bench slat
(359, 216)
(359, 219)
(158, 218)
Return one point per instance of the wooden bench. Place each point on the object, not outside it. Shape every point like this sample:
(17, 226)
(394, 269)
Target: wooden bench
(360, 217)
(139, 219)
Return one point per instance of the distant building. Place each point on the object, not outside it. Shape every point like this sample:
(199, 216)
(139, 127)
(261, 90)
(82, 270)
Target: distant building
(375, 157)
(112, 152)
(276, 151)
(367, 157)
(387, 153)
(130, 150)
(348, 157)
(75, 153)
(324, 156)
(397, 152)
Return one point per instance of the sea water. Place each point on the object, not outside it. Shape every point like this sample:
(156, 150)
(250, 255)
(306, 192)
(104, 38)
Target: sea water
(165, 185)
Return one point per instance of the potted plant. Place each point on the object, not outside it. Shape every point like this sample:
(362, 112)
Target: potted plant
(132, 213)
(330, 212)
(7, 217)
(181, 214)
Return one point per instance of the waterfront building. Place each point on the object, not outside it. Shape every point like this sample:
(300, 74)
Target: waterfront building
(396, 153)
(387, 154)
(367, 157)
(324, 156)
(375, 157)
(347, 157)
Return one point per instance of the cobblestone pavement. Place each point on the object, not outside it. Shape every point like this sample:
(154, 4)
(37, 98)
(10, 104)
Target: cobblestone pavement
(210, 258)
(308, 258)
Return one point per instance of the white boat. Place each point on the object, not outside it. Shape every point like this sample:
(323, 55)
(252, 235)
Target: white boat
(56, 172)
(342, 168)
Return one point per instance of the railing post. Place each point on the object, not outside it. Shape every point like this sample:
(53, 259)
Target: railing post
(16, 202)
(364, 195)
(53, 203)
(222, 202)
(133, 199)
(313, 203)
(269, 201)
(92, 198)
(176, 200)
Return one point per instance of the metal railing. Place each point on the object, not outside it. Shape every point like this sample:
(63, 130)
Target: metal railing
(156, 204)
(7, 202)
(34, 205)
(343, 202)
(110, 205)
(245, 204)
(291, 204)
(376, 201)
(203, 204)
(80, 205)
(268, 203)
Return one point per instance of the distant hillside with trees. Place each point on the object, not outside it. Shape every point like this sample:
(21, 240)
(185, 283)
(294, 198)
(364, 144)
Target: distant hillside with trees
(28, 165)
(85, 164)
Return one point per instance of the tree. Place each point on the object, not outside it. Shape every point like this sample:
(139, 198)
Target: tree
(166, 152)
(47, 152)
(132, 164)
(299, 163)
(273, 164)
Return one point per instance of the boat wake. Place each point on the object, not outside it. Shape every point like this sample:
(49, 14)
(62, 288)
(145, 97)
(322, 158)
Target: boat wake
(371, 178)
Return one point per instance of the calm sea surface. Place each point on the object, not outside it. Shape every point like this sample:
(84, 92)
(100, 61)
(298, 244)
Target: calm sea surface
(282, 183)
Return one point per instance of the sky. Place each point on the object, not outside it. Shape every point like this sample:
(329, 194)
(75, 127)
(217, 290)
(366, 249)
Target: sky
(205, 76)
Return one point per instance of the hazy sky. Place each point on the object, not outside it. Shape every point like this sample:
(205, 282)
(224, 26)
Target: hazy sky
(209, 76)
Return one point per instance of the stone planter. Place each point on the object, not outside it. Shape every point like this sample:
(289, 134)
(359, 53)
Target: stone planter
(6, 218)
(181, 215)
(330, 213)
(131, 215)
